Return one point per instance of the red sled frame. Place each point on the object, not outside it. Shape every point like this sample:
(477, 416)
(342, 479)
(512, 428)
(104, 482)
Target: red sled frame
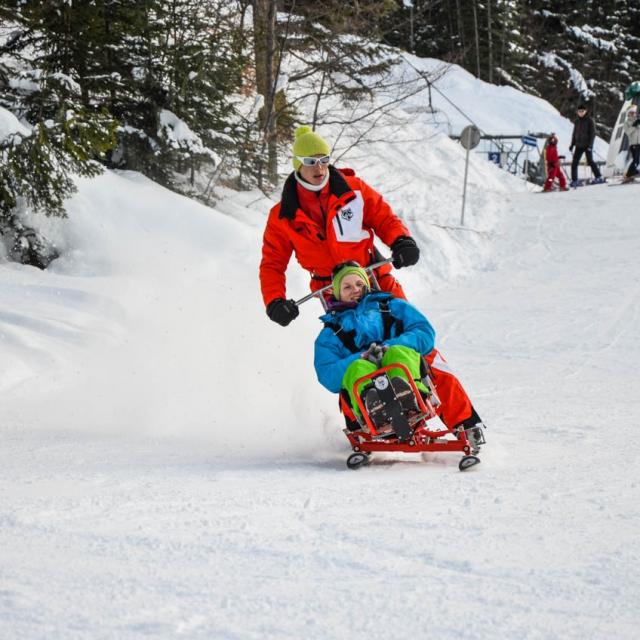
(423, 438)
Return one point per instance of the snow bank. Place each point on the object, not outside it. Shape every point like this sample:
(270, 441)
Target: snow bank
(151, 323)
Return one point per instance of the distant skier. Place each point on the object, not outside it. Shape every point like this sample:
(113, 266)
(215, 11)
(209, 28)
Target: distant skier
(632, 129)
(552, 164)
(584, 135)
(326, 216)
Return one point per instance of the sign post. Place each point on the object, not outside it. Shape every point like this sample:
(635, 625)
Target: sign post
(528, 141)
(469, 139)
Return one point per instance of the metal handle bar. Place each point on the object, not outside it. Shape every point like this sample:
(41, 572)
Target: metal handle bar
(319, 292)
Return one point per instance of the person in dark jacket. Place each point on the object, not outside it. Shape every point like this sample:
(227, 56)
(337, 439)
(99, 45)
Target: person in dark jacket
(364, 329)
(584, 134)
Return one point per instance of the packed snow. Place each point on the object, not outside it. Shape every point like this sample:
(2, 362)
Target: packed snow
(171, 468)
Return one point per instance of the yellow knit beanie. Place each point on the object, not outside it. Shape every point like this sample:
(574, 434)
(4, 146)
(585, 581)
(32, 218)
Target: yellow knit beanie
(308, 143)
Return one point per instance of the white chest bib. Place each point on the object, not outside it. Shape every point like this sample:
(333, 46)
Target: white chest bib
(347, 224)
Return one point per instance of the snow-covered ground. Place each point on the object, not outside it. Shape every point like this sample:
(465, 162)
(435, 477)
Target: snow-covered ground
(169, 467)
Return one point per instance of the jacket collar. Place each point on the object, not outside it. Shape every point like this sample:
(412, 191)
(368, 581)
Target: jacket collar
(289, 202)
(336, 310)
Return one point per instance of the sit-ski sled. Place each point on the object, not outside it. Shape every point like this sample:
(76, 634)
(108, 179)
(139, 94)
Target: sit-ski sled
(402, 416)
(400, 421)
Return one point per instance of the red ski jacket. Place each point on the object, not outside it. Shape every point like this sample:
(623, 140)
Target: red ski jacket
(551, 155)
(353, 213)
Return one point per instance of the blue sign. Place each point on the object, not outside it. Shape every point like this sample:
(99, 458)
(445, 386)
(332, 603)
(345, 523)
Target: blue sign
(531, 141)
(494, 156)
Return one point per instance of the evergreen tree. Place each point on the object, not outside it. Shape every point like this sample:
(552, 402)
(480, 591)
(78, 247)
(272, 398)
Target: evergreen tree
(565, 52)
(581, 52)
(198, 67)
(40, 85)
(482, 37)
(162, 69)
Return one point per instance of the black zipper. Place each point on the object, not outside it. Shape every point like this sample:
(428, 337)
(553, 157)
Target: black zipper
(324, 214)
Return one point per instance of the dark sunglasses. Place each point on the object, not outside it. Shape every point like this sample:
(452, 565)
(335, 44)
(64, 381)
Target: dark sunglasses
(309, 161)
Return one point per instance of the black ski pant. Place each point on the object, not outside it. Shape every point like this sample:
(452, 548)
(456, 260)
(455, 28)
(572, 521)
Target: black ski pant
(635, 161)
(576, 161)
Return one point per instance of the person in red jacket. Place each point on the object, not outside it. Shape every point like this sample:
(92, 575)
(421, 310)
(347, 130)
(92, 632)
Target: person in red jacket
(327, 216)
(552, 163)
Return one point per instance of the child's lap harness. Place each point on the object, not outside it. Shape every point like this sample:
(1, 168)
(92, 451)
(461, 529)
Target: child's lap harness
(388, 323)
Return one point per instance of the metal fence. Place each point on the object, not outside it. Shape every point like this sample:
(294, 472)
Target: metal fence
(522, 156)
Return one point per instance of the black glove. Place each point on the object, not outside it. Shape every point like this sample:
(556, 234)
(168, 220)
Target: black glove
(404, 252)
(636, 122)
(571, 148)
(282, 311)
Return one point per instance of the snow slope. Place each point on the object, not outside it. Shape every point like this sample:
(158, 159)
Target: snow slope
(170, 468)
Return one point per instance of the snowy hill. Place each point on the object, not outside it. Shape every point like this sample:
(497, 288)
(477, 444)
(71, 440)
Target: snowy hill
(171, 468)
(495, 110)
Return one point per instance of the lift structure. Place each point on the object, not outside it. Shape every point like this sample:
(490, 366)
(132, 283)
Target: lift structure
(519, 154)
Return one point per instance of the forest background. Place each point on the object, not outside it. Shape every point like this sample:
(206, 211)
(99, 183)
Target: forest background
(199, 94)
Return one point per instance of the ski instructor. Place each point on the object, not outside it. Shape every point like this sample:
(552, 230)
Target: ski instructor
(327, 216)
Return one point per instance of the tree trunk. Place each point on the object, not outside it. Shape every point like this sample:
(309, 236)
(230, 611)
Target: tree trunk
(506, 20)
(412, 43)
(489, 42)
(264, 28)
(460, 30)
(476, 36)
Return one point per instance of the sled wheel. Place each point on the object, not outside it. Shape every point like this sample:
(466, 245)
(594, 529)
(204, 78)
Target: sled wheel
(467, 462)
(356, 460)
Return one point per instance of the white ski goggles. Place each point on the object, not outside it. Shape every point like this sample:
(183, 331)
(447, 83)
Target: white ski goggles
(310, 161)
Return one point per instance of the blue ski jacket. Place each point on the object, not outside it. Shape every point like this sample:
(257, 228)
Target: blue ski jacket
(364, 323)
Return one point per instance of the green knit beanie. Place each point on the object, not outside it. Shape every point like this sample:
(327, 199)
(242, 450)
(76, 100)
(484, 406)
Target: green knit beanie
(308, 143)
(345, 271)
